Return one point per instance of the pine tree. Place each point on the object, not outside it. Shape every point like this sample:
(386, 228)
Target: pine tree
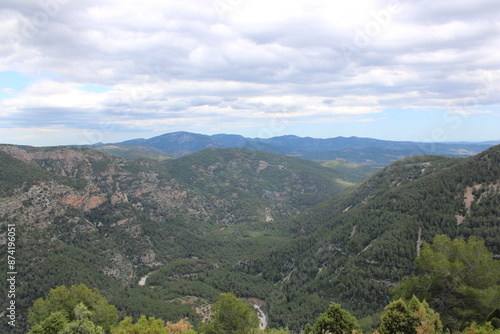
(335, 321)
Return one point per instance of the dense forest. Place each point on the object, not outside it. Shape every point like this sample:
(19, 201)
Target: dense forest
(459, 278)
(162, 240)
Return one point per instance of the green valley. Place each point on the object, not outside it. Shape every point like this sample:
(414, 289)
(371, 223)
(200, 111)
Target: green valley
(166, 237)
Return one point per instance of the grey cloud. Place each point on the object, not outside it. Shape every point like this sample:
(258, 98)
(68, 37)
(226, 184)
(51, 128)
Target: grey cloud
(152, 48)
(39, 117)
(432, 12)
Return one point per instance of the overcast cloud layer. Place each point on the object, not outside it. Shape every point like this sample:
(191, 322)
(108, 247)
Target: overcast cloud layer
(76, 72)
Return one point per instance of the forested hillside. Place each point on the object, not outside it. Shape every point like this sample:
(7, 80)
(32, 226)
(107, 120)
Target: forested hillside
(85, 216)
(365, 241)
(165, 237)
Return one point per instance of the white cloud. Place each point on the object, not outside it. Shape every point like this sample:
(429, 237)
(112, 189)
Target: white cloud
(470, 112)
(175, 62)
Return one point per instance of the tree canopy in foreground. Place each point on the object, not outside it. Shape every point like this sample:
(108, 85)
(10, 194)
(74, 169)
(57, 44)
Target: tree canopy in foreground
(460, 280)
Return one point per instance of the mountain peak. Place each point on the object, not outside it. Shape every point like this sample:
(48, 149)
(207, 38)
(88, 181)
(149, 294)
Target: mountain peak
(367, 151)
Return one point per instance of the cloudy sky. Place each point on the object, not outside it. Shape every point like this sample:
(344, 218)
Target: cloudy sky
(80, 72)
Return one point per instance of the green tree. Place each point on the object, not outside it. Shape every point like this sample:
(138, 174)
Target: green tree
(460, 280)
(231, 316)
(81, 324)
(397, 318)
(181, 326)
(414, 317)
(494, 318)
(142, 326)
(335, 320)
(429, 321)
(65, 301)
(58, 323)
(54, 323)
(485, 328)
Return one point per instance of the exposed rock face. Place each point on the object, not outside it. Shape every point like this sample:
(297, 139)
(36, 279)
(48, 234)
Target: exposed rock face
(469, 197)
(118, 197)
(131, 214)
(36, 204)
(84, 203)
(17, 153)
(149, 257)
(204, 197)
(122, 268)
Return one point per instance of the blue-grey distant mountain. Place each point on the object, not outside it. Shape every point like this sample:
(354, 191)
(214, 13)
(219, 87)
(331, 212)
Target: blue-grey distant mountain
(176, 144)
(365, 151)
(230, 140)
(491, 142)
(178, 140)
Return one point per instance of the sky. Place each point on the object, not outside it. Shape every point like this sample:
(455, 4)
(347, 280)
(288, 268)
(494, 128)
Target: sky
(82, 72)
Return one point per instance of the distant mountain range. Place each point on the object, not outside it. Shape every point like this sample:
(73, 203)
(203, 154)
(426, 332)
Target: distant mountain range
(366, 151)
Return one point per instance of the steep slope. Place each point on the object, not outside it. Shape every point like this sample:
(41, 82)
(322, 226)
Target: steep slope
(202, 186)
(365, 241)
(399, 173)
(85, 216)
(285, 180)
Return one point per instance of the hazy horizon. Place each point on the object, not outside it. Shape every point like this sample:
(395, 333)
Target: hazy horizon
(256, 138)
